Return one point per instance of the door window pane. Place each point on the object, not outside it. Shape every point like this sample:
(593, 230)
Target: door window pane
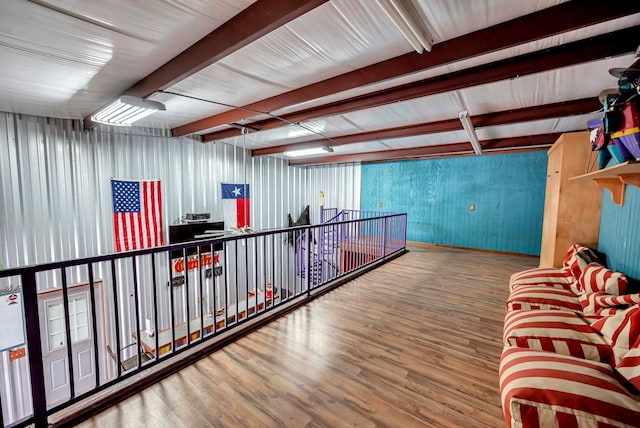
(55, 325)
(78, 321)
(78, 318)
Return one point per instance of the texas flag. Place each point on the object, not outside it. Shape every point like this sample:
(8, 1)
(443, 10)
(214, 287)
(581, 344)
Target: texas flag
(235, 205)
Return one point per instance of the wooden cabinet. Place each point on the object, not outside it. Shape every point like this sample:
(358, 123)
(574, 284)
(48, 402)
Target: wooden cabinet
(571, 207)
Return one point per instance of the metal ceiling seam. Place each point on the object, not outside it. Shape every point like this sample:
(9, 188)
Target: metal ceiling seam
(544, 23)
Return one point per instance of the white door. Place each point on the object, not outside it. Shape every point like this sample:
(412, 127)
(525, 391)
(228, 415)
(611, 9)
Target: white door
(54, 346)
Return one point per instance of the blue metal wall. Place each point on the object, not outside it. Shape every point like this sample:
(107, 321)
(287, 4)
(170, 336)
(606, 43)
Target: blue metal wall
(507, 191)
(620, 232)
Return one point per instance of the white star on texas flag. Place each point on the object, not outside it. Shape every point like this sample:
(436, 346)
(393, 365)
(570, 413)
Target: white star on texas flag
(236, 191)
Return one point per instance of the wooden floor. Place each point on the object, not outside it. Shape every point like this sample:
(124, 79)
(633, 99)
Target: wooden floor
(415, 342)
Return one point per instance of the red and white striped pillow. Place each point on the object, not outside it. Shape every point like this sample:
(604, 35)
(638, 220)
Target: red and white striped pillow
(603, 304)
(577, 258)
(536, 297)
(551, 277)
(562, 332)
(543, 389)
(621, 330)
(596, 277)
(571, 252)
(629, 365)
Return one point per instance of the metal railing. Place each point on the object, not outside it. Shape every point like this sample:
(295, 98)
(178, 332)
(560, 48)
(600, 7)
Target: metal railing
(92, 323)
(346, 241)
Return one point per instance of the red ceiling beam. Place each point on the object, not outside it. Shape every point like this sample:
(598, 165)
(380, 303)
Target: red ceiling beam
(413, 152)
(249, 25)
(607, 45)
(547, 111)
(558, 19)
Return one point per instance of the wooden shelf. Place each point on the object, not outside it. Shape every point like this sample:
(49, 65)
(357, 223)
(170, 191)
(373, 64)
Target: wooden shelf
(616, 178)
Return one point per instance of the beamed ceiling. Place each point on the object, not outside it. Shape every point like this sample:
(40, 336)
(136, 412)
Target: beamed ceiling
(339, 73)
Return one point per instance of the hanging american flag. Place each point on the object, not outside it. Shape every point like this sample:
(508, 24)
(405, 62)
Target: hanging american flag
(137, 214)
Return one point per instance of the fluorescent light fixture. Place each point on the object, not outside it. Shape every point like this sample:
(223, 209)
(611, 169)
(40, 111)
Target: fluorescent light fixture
(403, 14)
(308, 152)
(126, 110)
(471, 132)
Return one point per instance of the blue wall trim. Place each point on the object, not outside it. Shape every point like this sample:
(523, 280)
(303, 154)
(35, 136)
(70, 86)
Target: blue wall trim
(620, 232)
(506, 189)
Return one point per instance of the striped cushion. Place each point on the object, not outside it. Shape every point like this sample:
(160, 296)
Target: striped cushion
(571, 253)
(596, 278)
(556, 331)
(629, 366)
(551, 277)
(603, 304)
(621, 330)
(536, 297)
(542, 389)
(577, 258)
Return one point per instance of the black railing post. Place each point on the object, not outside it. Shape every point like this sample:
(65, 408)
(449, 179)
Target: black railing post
(94, 324)
(136, 302)
(34, 344)
(404, 235)
(384, 238)
(308, 262)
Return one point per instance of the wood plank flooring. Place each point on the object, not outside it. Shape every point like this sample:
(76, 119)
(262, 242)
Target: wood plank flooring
(413, 343)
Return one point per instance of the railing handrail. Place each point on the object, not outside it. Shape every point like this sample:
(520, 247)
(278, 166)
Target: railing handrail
(340, 213)
(39, 267)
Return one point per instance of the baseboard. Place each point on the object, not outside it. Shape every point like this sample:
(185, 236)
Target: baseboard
(477, 250)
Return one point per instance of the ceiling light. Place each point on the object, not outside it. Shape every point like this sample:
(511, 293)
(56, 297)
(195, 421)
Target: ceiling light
(414, 30)
(126, 110)
(308, 152)
(471, 132)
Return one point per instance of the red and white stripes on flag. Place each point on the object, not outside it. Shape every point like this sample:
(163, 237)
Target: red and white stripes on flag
(236, 206)
(137, 214)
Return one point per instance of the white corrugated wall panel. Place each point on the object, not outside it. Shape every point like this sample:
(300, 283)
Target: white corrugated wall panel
(56, 195)
(340, 184)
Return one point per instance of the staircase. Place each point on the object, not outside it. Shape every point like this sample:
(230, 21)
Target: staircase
(314, 254)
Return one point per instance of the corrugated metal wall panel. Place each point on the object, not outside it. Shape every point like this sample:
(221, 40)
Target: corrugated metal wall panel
(340, 185)
(507, 192)
(620, 232)
(56, 195)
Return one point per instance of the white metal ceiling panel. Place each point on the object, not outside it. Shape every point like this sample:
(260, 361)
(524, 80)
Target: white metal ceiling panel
(332, 39)
(546, 43)
(372, 146)
(541, 88)
(67, 58)
(569, 83)
(411, 112)
(293, 133)
(427, 140)
(453, 18)
(535, 127)
(299, 53)
(303, 51)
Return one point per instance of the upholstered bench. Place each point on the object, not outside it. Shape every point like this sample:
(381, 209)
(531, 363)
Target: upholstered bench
(545, 389)
(571, 346)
